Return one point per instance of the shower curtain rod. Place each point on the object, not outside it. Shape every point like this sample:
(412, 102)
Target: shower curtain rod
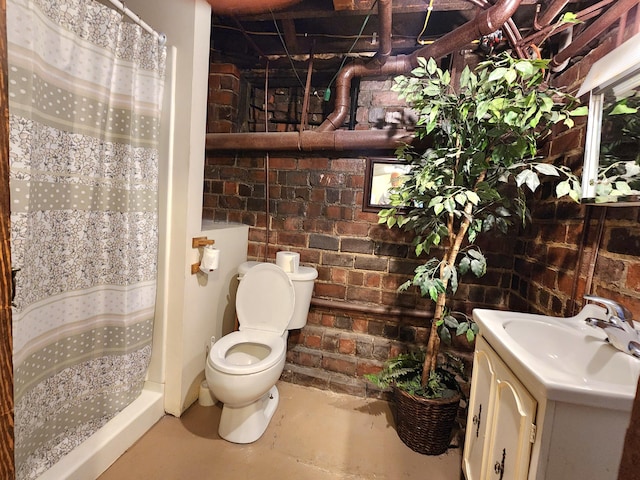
(162, 38)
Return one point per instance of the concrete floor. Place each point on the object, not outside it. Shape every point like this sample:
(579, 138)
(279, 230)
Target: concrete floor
(314, 435)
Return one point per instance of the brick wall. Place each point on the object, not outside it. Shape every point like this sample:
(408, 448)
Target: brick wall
(552, 271)
(224, 99)
(358, 318)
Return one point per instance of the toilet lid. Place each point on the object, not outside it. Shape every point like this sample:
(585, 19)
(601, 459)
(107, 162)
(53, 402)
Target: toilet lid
(265, 299)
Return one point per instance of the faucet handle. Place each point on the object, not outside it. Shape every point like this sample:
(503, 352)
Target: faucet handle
(613, 308)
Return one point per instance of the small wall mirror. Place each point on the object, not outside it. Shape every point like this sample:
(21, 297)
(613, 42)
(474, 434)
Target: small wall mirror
(611, 173)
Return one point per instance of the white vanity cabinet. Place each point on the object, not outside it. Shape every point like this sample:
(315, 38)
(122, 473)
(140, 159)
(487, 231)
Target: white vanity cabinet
(500, 427)
(515, 431)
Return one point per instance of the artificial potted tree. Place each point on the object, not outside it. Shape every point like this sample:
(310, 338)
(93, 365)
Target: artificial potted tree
(472, 180)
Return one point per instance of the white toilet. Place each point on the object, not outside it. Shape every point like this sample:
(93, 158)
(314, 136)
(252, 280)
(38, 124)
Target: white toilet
(243, 367)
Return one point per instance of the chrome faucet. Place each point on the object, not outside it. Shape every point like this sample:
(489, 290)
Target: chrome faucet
(618, 325)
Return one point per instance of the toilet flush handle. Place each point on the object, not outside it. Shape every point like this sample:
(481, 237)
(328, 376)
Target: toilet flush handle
(209, 346)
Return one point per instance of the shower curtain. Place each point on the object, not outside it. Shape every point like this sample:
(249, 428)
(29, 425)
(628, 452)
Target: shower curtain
(85, 90)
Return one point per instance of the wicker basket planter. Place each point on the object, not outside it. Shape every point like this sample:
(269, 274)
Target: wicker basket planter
(425, 424)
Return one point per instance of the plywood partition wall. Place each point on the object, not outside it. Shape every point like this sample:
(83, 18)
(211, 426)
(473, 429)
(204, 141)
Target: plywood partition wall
(7, 467)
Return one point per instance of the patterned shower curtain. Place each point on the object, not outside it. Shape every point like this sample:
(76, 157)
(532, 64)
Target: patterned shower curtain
(85, 90)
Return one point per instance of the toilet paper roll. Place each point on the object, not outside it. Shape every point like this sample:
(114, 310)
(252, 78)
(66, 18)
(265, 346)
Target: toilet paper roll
(288, 261)
(210, 259)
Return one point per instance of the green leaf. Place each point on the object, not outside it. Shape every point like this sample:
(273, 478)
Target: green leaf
(473, 197)
(623, 188)
(526, 68)
(529, 178)
(622, 109)
(563, 188)
(435, 200)
(497, 74)
(579, 111)
(433, 293)
(481, 109)
(471, 335)
(461, 199)
(450, 321)
(510, 76)
(465, 77)
(445, 335)
(464, 265)
(478, 267)
(570, 17)
(432, 66)
(462, 328)
(547, 169)
(449, 205)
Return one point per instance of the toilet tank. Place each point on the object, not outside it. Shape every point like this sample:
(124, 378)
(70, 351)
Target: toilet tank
(303, 281)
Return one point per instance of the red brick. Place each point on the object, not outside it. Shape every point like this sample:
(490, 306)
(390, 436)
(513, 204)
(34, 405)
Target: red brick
(346, 346)
(364, 368)
(360, 294)
(372, 280)
(351, 165)
(293, 239)
(339, 275)
(224, 68)
(328, 320)
(312, 341)
(353, 229)
(360, 325)
(355, 278)
(283, 163)
(633, 277)
(339, 365)
(315, 163)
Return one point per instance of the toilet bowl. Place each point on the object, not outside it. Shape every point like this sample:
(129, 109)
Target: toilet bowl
(243, 367)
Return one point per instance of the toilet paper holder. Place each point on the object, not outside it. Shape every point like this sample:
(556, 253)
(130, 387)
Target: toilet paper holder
(197, 242)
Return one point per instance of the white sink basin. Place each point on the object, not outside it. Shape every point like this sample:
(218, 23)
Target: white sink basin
(563, 359)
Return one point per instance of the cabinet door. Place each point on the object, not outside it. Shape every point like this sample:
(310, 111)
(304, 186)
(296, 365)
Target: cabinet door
(512, 430)
(481, 399)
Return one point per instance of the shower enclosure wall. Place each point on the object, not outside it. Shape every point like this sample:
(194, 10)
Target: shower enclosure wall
(168, 386)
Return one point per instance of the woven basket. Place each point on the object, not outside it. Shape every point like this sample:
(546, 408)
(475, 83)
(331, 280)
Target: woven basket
(425, 424)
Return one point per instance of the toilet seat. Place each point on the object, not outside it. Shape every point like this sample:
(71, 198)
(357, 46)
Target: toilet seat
(265, 303)
(218, 356)
(265, 300)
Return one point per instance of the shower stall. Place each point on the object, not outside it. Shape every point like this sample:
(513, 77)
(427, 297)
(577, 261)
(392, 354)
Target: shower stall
(85, 103)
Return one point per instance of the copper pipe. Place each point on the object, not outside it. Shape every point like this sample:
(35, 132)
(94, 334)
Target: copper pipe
(549, 14)
(385, 22)
(510, 29)
(549, 30)
(377, 66)
(309, 140)
(328, 136)
(486, 22)
(602, 23)
(394, 66)
(370, 309)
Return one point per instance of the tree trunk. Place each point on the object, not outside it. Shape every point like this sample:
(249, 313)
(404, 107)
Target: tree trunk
(449, 260)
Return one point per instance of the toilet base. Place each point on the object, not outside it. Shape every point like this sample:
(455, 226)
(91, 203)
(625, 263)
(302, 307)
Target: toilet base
(247, 424)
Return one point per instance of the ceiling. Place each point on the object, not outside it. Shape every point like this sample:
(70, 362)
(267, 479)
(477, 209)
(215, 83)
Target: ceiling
(334, 31)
